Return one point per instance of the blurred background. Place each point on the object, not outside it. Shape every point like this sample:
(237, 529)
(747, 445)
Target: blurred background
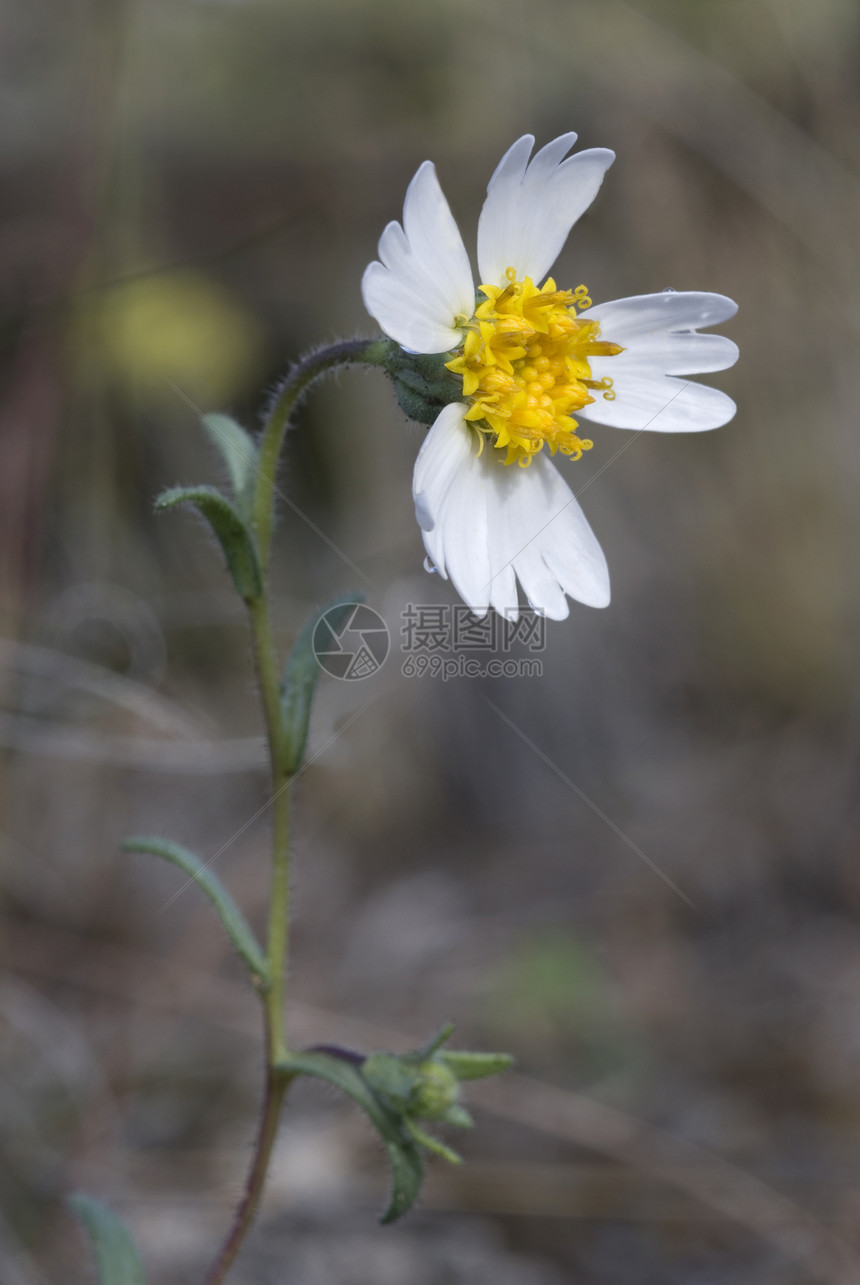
(639, 872)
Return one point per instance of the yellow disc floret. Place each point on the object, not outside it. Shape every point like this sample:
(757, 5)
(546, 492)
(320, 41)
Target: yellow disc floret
(525, 371)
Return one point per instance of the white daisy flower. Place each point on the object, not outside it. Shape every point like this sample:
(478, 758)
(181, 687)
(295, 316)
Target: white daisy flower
(524, 364)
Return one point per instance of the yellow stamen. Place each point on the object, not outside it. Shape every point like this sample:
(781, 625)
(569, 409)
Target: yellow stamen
(524, 366)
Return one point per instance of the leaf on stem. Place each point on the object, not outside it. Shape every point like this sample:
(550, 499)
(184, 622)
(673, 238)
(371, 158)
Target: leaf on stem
(115, 1253)
(301, 674)
(407, 1163)
(239, 452)
(237, 927)
(231, 531)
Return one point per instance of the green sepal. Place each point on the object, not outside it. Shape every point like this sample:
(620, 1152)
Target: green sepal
(407, 1162)
(236, 925)
(422, 383)
(299, 682)
(115, 1253)
(476, 1066)
(231, 531)
(457, 1116)
(393, 1078)
(463, 1064)
(425, 1084)
(433, 1045)
(433, 1144)
(239, 452)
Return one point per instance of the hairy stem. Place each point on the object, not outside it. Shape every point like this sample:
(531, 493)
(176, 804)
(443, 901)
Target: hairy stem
(279, 925)
(277, 1081)
(298, 381)
(276, 1086)
(266, 663)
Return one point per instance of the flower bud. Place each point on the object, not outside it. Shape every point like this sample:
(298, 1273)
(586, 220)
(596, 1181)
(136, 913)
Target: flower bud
(436, 1091)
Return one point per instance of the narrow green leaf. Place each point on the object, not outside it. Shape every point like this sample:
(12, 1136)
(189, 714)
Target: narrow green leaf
(301, 674)
(232, 533)
(476, 1066)
(237, 926)
(407, 1163)
(239, 452)
(115, 1253)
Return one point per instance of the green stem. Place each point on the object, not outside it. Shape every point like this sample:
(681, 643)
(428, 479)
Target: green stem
(266, 662)
(269, 681)
(297, 382)
(279, 925)
(351, 352)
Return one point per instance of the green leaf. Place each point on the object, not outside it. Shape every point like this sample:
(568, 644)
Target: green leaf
(407, 1163)
(116, 1256)
(230, 528)
(239, 452)
(476, 1066)
(301, 674)
(237, 926)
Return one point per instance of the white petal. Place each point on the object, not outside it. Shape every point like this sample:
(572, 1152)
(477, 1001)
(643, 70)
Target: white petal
(645, 314)
(677, 353)
(424, 279)
(530, 208)
(660, 342)
(450, 507)
(657, 402)
(487, 525)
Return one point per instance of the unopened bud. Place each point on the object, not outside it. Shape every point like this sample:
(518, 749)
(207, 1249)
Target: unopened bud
(436, 1091)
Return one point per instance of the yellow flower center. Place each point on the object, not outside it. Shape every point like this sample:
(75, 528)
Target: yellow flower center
(525, 371)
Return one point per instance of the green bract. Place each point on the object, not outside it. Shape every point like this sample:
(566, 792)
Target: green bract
(422, 384)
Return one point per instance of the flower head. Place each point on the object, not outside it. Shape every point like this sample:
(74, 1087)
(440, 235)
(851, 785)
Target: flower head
(529, 361)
